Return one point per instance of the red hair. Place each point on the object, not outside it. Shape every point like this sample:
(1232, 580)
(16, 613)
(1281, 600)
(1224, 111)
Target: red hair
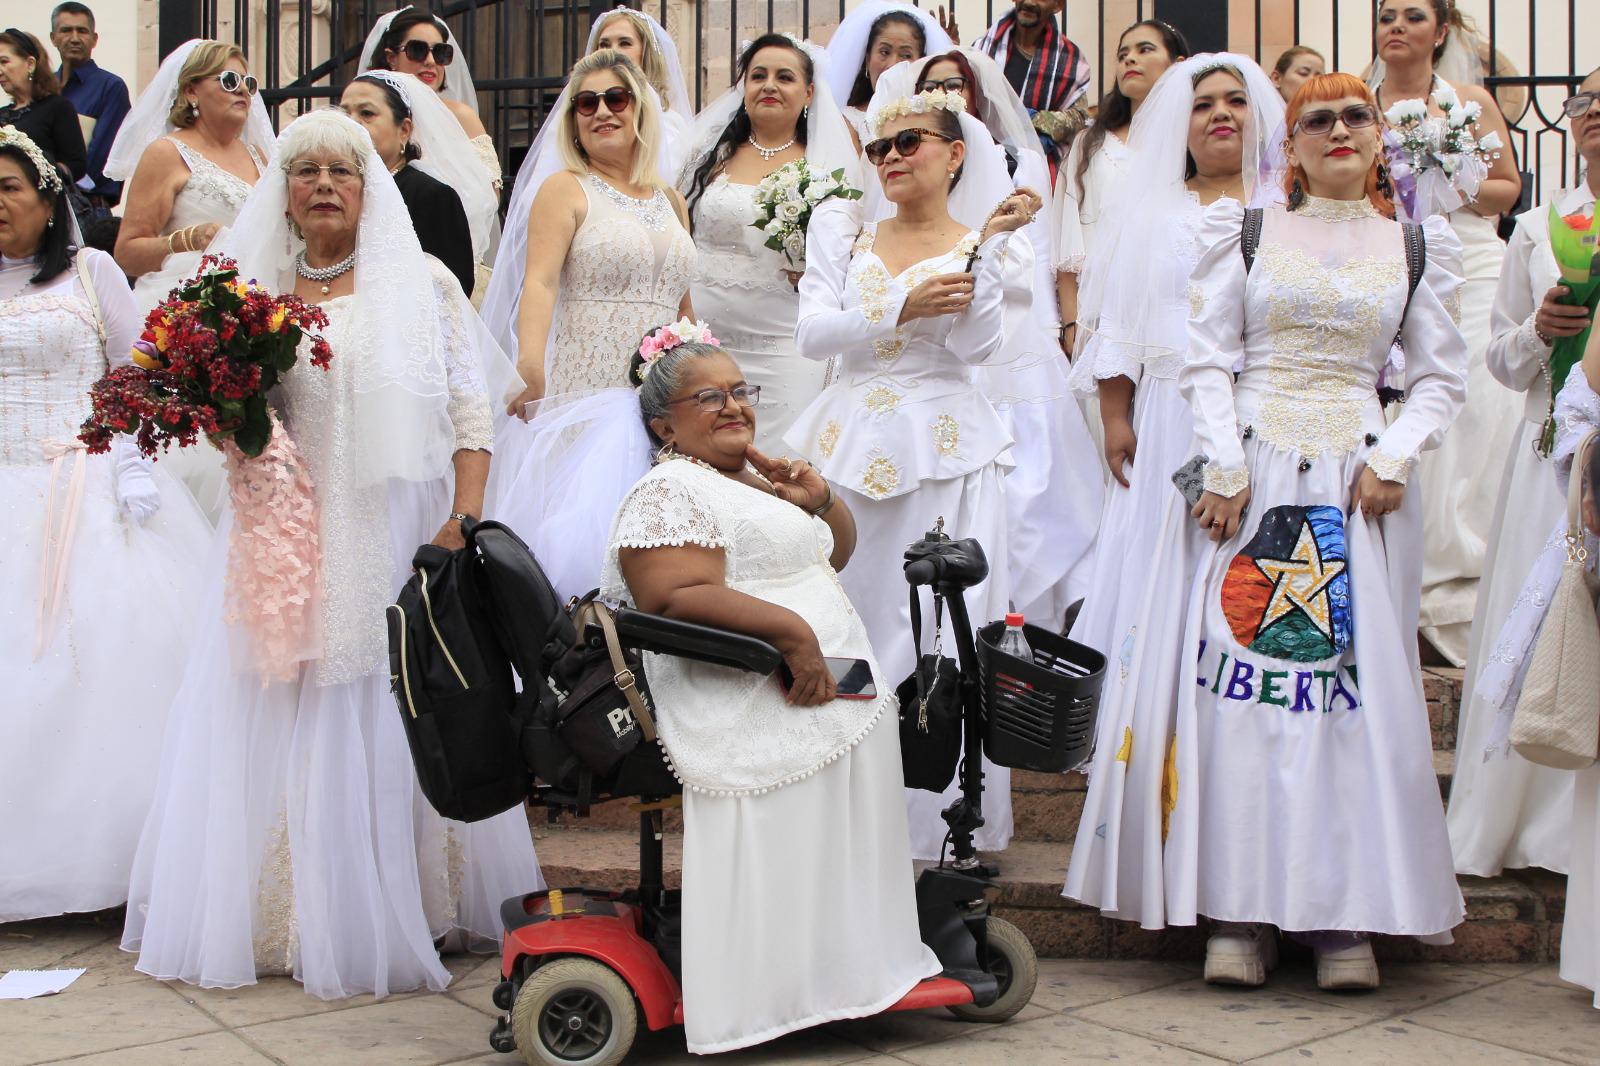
(963, 65)
(1324, 89)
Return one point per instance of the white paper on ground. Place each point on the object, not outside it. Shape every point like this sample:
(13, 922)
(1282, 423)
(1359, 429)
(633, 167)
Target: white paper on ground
(26, 984)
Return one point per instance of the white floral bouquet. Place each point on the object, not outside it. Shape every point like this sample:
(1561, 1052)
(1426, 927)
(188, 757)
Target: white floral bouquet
(785, 200)
(1438, 163)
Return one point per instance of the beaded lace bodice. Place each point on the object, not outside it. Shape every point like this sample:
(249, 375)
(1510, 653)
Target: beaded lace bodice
(211, 194)
(50, 353)
(730, 731)
(731, 250)
(626, 272)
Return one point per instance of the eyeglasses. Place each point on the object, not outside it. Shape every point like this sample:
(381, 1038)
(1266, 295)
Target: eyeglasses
(906, 143)
(1579, 104)
(306, 172)
(1321, 123)
(955, 83)
(417, 52)
(713, 400)
(617, 99)
(232, 81)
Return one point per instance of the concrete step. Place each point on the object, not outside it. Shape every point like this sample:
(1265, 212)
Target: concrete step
(1515, 918)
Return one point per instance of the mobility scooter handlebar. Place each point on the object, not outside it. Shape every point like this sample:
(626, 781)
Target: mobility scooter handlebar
(690, 640)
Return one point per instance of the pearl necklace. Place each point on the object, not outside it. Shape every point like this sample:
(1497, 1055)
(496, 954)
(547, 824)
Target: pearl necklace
(324, 274)
(768, 153)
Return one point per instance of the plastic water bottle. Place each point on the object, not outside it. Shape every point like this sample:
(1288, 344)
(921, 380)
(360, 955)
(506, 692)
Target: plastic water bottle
(1013, 641)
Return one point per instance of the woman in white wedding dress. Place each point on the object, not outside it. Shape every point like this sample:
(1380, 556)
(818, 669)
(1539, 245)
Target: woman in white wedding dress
(1203, 136)
(902, 433)
(776, 113)
(1505, 811)
(1459, 490)
(798, 906)
(191, 150)
(289, 835)
(609, 259)
(86, 702)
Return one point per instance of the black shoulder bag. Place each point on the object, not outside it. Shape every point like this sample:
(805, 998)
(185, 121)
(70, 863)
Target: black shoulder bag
(930, 708)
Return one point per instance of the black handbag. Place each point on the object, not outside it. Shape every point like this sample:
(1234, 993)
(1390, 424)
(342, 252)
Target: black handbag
(930, 709)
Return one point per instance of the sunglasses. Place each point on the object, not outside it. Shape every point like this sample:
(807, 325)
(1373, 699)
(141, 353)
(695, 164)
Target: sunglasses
(1579, 104)
(232, 81)
(1321, 123)
(306, 172)
(713, 400)
(906, 143)
(417, 52)
(617, 99)
(955, 83)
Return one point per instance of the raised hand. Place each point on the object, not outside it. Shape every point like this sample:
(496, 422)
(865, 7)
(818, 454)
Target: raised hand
(793, 480)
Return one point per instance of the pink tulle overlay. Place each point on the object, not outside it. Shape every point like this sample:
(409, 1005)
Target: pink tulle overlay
(274, 558)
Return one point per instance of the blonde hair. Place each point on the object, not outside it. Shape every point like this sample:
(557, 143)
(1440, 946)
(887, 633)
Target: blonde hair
(653, 64)
(207, 60)
(645, 116)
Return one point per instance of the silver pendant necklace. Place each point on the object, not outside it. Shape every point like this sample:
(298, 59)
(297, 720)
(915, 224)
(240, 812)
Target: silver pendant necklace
(768, 153)
(323, 274)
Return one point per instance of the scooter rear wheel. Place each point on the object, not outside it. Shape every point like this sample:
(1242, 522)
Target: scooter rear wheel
(1014, 965)
(574, 1012)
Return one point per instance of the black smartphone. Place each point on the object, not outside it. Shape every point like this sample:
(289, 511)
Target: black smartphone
(851, 677)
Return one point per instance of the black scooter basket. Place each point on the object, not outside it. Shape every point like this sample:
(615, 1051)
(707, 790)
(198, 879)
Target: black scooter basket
(1039, 715)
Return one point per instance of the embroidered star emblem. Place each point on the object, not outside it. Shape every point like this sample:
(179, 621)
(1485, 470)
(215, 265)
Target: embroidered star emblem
(1301, 582)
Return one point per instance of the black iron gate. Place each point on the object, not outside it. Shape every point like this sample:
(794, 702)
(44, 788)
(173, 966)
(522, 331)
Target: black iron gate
(520, 50)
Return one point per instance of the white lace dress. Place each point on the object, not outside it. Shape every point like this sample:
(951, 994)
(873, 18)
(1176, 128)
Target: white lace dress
(741, 291)
(906, 434)
(1304, 793)
(210, 195)
(798, 906)
(89, 681)
(626, 272)
(1505, 811)
(1148, 552)
(288, 833)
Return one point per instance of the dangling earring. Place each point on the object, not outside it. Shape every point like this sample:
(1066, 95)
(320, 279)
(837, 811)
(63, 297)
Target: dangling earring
(805, 113)
(1385, 185)
(665, 452)
(1297, 194)
(50, 222)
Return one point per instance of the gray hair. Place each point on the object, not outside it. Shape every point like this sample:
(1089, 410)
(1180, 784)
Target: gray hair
(665, 378)
(325, 131)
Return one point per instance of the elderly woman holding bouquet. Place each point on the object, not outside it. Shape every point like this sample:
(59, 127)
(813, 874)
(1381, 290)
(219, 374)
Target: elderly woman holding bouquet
(93, 541)
(288, 833)
(771, 148)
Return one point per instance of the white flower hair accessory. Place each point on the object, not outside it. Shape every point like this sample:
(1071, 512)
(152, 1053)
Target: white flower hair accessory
(667, 338)
(49, 176)
(920, 104)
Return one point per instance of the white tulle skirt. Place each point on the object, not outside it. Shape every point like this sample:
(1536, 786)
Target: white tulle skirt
(1504, 810)
(1143, 573)
(80, 736)
(558, 479)
(1460, 489)
(288, 832)
(972, 506)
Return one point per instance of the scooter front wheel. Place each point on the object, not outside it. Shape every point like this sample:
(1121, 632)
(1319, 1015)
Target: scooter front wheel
(574, 1012)
(1015, 967)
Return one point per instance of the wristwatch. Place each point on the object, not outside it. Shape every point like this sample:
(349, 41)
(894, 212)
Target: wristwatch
(459, 517)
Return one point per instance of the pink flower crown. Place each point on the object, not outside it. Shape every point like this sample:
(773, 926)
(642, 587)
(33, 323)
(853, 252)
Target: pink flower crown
(669, 337)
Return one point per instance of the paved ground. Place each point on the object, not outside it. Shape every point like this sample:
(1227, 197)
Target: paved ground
(1083, 1012)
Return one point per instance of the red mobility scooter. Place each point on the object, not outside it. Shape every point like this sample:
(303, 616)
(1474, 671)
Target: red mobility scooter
(583, 968)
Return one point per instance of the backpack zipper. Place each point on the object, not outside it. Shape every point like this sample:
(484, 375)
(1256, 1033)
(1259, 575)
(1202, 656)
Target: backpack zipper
(427, 605)
(405, 675)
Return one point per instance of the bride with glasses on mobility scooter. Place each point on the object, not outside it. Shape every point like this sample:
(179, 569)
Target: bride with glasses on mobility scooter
(791, 781)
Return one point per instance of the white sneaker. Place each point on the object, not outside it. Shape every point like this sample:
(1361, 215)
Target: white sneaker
(1347, 968)
(1241, 953)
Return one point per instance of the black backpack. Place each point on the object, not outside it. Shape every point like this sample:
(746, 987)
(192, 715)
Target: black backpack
(465, 625)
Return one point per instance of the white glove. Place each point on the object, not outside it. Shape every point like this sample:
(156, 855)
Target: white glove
(136, 488)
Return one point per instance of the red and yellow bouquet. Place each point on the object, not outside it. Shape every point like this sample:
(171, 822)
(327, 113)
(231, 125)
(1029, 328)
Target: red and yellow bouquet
(208, 356)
